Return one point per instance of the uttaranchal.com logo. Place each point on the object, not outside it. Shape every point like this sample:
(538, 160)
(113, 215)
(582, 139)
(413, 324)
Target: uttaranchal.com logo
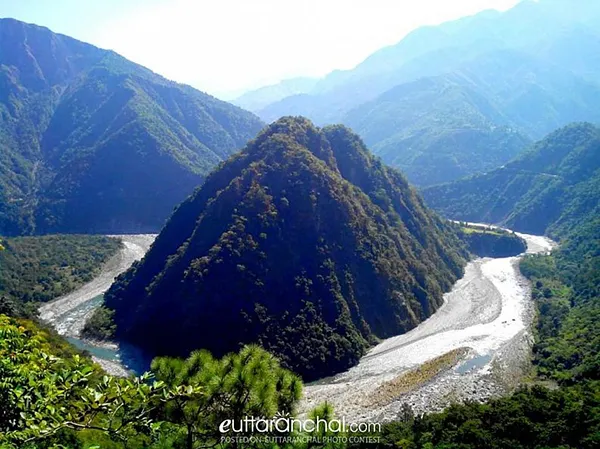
(287, 424)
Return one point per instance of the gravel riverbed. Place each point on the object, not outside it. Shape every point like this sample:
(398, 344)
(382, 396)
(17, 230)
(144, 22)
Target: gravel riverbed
(488, 314)
(69, 313)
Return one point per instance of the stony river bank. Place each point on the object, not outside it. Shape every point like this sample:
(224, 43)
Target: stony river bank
(476, 346)
(487, 317)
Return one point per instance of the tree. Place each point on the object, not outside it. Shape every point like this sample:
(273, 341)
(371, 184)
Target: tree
(250, 383)
(41, 394)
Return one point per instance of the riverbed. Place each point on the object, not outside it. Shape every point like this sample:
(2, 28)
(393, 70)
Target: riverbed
(485, 321)
(487, 316)
(69, 313)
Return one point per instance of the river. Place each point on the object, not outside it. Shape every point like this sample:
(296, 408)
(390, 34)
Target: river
(487, 315)
(68, 313)
(485, 318)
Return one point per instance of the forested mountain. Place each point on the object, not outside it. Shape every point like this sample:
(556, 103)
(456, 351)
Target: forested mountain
(91, 142)
(550, 188)
(303, 243)
(419, 127)
(535, 67)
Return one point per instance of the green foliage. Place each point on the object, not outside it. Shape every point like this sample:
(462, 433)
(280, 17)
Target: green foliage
(91, 142)
(303, 243)
(42, 395)
(100, 325)
(492, 242)
(246, 384)
(437, 130)
(48, 401)
(39, 269)
(532, 418)
(566, 288)
(550, 189)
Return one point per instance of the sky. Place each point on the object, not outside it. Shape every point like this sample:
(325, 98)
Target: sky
(225, 47)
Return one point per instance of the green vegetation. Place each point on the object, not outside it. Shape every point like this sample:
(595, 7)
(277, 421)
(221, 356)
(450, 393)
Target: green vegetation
(303, 243)
(50, 396)
(100, 326)
(550, 189)
(532, 418)
(490, 242)
(93, 143)
(50, 402)
(566, 287)
(466, 96)
(405, 382)
(257, 384)
(39, 269)
(437, 130)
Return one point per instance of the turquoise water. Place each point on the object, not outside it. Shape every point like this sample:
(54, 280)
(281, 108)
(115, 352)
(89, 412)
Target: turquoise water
(111, 355)
(130, 357)
(476, 362)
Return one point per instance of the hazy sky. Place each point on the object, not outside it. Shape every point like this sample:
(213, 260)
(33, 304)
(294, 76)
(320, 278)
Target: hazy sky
(225, 46)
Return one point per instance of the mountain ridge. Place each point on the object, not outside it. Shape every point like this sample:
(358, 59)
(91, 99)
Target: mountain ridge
(80, 128)
(314, 231)
(535, 64)
(548, 189)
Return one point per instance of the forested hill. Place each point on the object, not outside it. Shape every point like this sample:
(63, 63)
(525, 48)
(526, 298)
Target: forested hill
(304, 243)
(550, 189)
(91, 142)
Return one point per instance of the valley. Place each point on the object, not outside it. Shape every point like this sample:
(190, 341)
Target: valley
(172, 264)
(486, 317)
(69, 313)
(488, 313)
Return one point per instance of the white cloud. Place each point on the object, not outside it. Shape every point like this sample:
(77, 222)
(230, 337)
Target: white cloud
(227, 45)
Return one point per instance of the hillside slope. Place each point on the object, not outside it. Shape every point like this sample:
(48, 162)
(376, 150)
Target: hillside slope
(550, 188)
(90, 142)
(437, 130)
(466, 96)
(303, 243)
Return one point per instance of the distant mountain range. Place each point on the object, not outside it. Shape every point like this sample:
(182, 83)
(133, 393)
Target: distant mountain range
(459, 98)
(91, 142)
(303, 243)
(258, 99)
(552, 188)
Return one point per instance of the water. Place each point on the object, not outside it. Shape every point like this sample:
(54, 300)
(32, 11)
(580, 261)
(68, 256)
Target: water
(487, 311)
(69, 313)
(110, 354)
(476, 362)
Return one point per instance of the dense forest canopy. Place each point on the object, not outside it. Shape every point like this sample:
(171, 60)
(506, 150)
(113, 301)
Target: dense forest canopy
(491, 242)
(304, 249)
(304, 243)
(180, 406)
(551, 188)
(91, 142)
(39, 269)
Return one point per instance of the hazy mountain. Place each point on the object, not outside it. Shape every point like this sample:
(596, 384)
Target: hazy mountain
(256, 100)
(536, 64)
(91, 142)
(303, 243)
(437, 129)
(550, 188)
